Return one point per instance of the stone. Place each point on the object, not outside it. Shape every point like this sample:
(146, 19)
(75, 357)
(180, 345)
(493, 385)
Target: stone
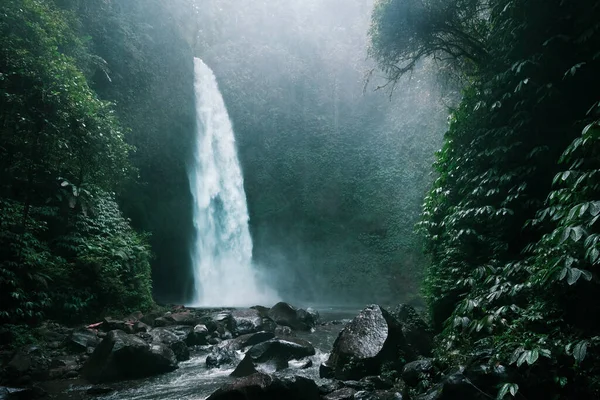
(139, 326)
(167, 336)
(371, 340)
(198, 336)
(285, 314)
(121, 356)
(81, 339)
(377, 395)
(414, 370)
(99, 390)
(245, 321)
(244, 368)
(284, 331)
(220, 356)
(250, 340)
(110, 324)
(265, 387)
(183, 318)
(416, 331)
(341, 394)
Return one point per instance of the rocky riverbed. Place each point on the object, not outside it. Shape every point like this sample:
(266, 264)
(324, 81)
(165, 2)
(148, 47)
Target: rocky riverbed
(255, 353)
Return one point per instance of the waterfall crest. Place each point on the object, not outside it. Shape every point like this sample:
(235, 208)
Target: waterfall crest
(222, 251)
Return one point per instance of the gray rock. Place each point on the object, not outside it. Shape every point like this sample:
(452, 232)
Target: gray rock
(220, 356)
(82, 339)
(412, 372)
(373, 338)
(264, 387)
(121, 356)
(198, 336)
(341, 394)
(245, 321)
(416, 331)
(286, 315)
(250, 340)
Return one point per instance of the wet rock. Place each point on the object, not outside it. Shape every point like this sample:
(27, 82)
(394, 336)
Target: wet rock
(198, 336)
(281, 351)
(341, 394)
(173, 341)
(274, 355)
(81, 339)
(284, 314)
(183, 318)
(372, 339)
(416, 331)
(314, 315)
(111, 324)
(300, 364)
(454, 386)
(28, 363)
(9, 393)
(377, 382)
(149, 318)
(330, 386)
(139, 326)
(121, 356)
(284, 331)
(413, 371)
(220, 356)
(250, 340)
(99, 390)
(325, 371)
(245, 368)
(264, 387)
(263, 311)
(245, 321)
(377, 395)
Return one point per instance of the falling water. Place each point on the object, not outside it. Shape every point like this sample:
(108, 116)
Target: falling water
(222, 254)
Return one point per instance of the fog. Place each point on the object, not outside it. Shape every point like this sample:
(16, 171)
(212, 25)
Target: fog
(334, 170)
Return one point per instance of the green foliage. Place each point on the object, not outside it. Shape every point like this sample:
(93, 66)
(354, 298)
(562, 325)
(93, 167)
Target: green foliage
(62, 151)
(511, 221)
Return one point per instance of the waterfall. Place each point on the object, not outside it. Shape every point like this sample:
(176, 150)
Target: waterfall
(222, 252)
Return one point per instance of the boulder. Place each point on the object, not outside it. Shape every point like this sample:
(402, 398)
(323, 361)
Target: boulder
(167, 336)
(121, 356)
(139, 326)
(185, 317)
(245, 368)
(417, 333)
(284, 331)
(82, 339)
(220, 356)
(373, 338)
(341, 394)
(249, 340)
(280, 350)
(329, 386)
(454, 386)
(264, 387)
(198, 336)
(273, 355)
(413, 371)
(377, 395)
(28, 362)
(284, 314)
(245, 321)
(111, 324)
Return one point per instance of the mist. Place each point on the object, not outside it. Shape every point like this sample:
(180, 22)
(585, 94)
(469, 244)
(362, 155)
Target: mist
(334, 168)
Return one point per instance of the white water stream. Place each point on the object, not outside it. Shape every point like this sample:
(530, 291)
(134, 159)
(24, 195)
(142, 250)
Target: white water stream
(222, 252)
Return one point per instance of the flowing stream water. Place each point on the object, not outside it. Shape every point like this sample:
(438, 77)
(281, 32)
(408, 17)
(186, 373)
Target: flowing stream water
(194, 381)
(222, 253)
